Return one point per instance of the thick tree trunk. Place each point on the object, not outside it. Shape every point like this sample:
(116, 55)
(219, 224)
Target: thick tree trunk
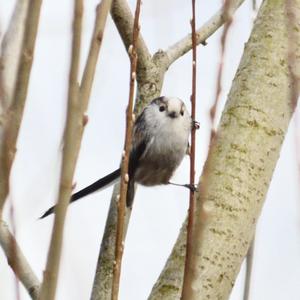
(241, 159)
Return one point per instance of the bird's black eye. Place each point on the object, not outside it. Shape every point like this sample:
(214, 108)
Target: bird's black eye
(162, 108)
(182, 112)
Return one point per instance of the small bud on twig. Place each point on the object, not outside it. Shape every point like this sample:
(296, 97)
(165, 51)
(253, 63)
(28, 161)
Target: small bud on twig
(118, 198)
(130, 48)
(126, 178)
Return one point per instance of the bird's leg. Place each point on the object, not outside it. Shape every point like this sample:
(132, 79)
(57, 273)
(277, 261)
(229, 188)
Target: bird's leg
(192, 187)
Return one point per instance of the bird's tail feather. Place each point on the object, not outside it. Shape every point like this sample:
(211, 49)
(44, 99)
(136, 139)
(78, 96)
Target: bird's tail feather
(94, 187)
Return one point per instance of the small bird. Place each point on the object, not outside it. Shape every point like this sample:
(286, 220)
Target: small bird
(159, 143)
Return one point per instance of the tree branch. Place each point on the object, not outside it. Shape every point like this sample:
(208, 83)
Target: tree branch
(77, 109)
(123, 19)
(213, 109)
(12, 117)
(102, 11)
(125, 157)
(102, 286)
(17, 51)
(169, 284)
(203, 33)
(18, 262)
(72, 139)
(191, 211)
(10, 52)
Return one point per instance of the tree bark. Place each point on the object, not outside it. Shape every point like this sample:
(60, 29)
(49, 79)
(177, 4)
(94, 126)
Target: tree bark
(241, 160)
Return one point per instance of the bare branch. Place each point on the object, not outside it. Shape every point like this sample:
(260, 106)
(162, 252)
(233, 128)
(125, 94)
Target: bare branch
(102, 286)
(18, 262)
(123, 19)
(191, 213)
(102, 11)
(125, 157)
(203, 33)
(10, 51)
(213, 109)
(76, 117)
(12, 117)
(73, 134)
(17, 52)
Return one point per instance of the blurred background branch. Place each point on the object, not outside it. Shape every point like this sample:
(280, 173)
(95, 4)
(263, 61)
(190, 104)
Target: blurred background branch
(17, 53)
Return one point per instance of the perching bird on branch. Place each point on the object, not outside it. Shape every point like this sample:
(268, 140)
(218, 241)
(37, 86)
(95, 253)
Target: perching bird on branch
(159, 143)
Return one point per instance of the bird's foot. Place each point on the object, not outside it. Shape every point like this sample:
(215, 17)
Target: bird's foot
(195, 124)
(191, 187)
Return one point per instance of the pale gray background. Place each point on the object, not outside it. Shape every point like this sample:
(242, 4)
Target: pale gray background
(158, 212)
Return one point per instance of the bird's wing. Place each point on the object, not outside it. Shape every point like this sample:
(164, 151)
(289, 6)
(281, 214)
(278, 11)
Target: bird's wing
(139, 147)
(140, 142)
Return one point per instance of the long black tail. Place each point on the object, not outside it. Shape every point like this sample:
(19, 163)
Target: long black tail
(96, 186)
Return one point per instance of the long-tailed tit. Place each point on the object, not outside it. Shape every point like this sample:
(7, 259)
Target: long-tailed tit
(159, 143)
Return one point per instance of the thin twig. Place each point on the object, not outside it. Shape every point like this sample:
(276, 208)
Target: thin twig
(16, 61)
(14, 254)
(227, 12)
(102, 11)
(125, 158)
(76, 119)
(14, 114)
(189, 240)
(102, 286)
(13, 245)
(70, 154)
(215, 22)
(11, 47)
(189, 264)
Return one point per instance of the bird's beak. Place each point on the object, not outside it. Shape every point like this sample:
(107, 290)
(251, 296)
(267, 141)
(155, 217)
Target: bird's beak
(173, 114)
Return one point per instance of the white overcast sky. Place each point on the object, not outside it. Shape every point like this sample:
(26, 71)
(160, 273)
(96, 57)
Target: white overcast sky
(158, 212)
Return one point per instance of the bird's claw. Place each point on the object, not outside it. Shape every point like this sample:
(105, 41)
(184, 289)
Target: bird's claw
(191, 187)
(195, 124)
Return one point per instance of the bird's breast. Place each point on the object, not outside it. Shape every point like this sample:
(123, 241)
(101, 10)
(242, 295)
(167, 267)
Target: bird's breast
(162, 157)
